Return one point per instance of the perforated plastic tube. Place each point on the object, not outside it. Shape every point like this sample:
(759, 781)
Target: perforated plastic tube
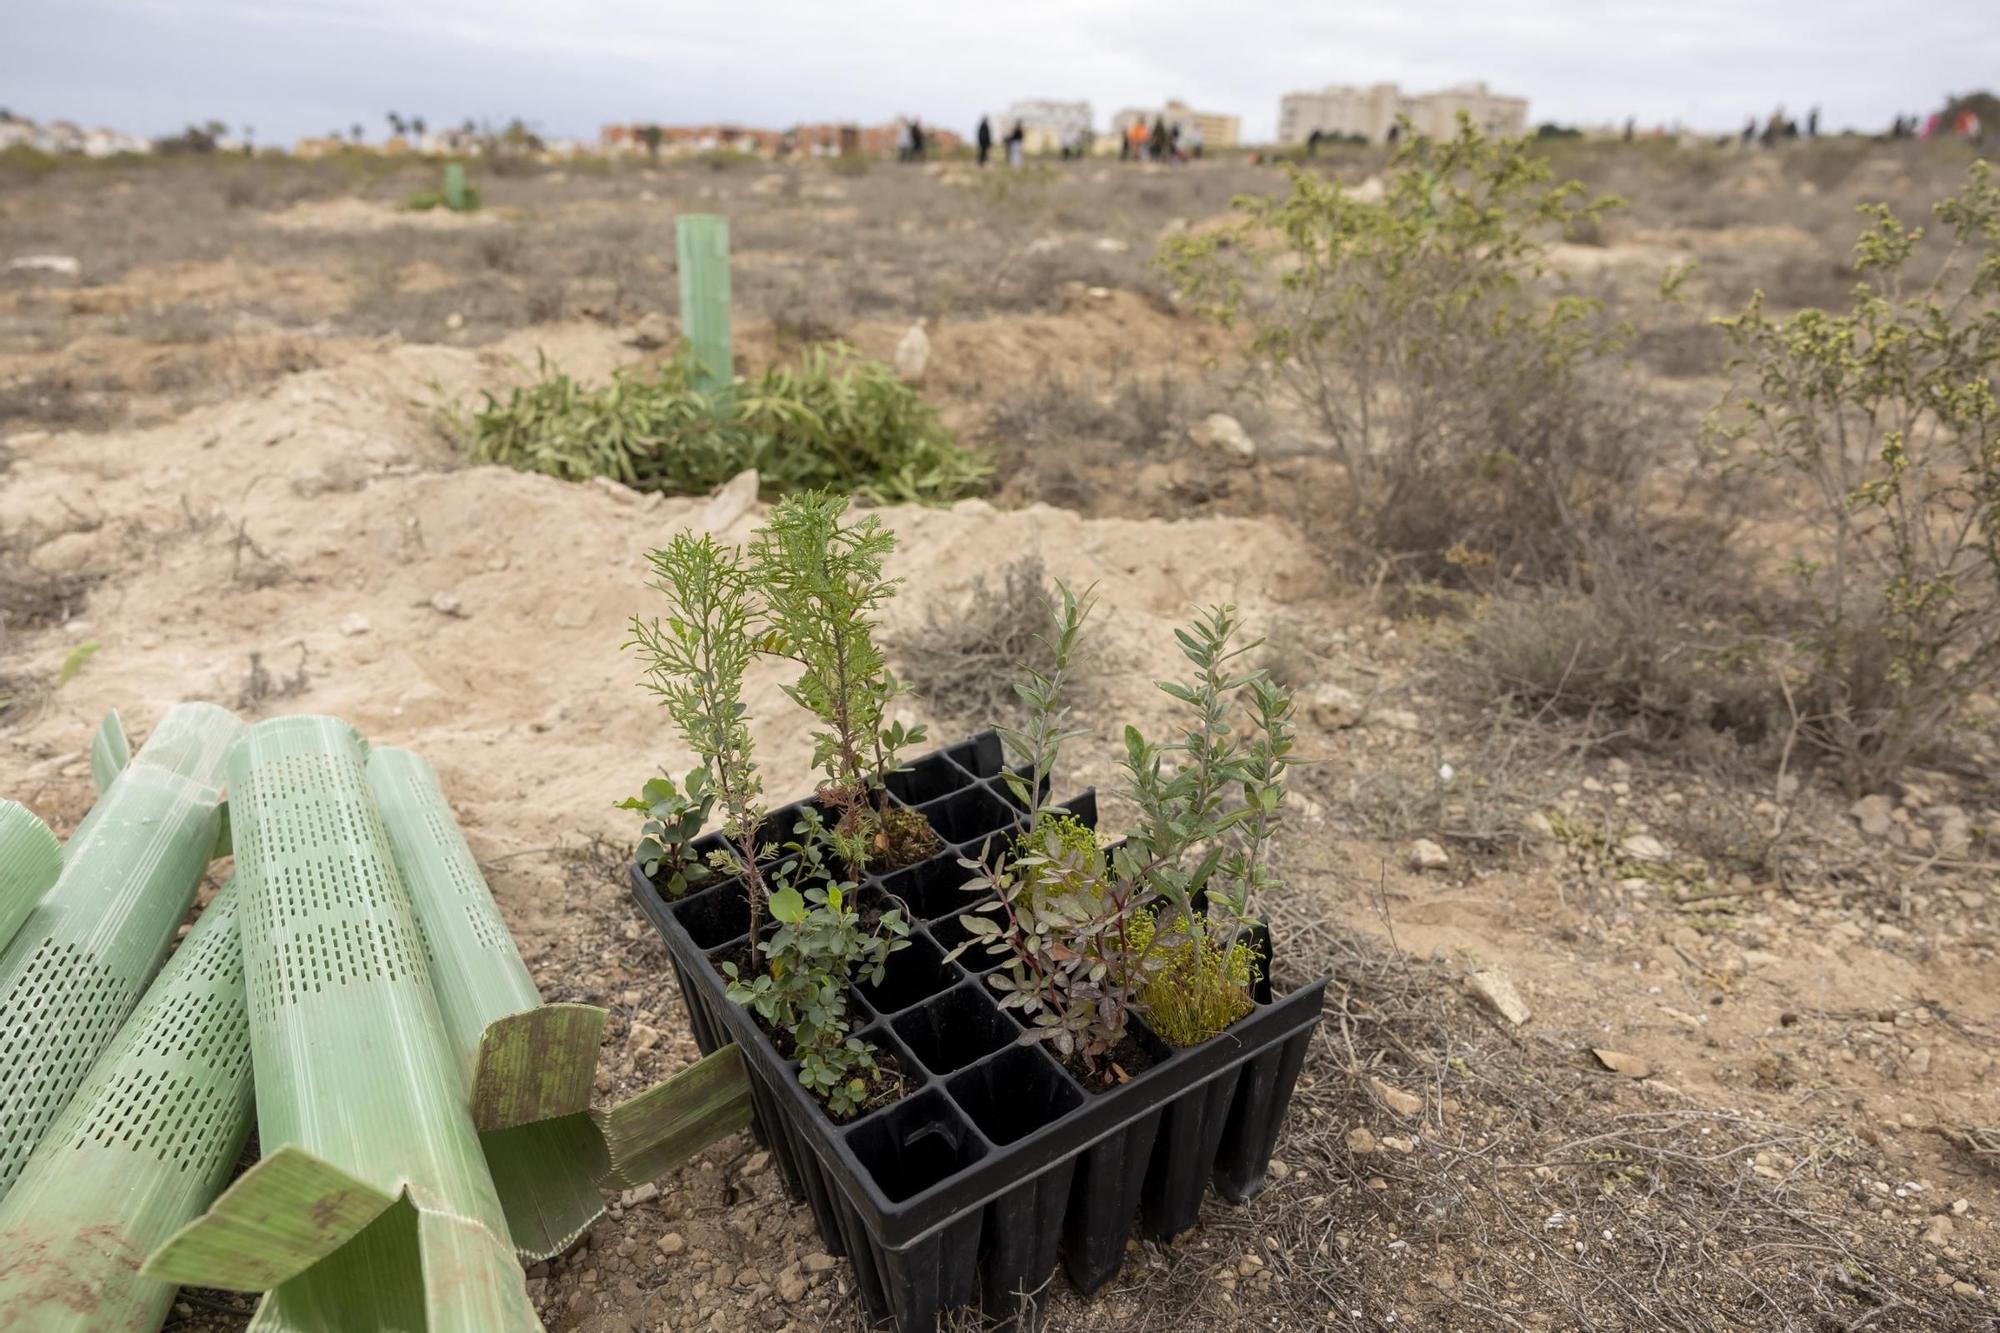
(530, 1067)
(30, 861)
(373, 1206)
(145, 1145)
(82, 958)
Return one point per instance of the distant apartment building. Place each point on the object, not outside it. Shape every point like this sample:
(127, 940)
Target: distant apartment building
(1370, 112)
(1046, 123)
(1217, 130)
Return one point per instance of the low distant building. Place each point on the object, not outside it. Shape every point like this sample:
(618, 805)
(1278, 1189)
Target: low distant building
(1369, 112)
(826, 139)
(111, 143)
(1047, 124)
(59, 136)
(1217, 130)
(16, 132)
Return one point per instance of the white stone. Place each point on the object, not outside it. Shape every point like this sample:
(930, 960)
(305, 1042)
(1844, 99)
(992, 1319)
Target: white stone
(1427, 855)
(731, 502)
(1500, 995)
(1225, 435)
(913, 353)
(354, 624)
(66, 265)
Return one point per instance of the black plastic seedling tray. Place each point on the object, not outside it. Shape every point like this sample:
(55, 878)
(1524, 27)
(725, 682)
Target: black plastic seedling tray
(996, 1164)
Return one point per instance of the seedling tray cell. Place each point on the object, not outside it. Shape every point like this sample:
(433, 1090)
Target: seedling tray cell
(996, 1164)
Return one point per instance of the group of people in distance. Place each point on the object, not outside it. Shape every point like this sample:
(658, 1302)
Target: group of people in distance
(1136, 143)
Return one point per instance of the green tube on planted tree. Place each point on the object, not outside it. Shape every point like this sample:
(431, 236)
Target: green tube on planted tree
(530, 1068)
(146, 1144)
(30, 861)
(373, 1206)
(701, 251)
(454, 186)
(85, 953)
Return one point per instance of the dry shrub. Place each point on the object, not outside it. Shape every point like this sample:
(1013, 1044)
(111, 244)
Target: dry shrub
(1626, 651)
(1471, 411)
(969, 651)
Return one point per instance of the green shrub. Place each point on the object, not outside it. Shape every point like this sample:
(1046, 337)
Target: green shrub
(834, 420)
(1197, 990)
(1884, 419)
(1455, 392)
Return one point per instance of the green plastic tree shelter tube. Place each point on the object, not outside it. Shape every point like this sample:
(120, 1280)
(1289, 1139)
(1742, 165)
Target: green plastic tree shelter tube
(83, 957)
(701, 254)
(145, 1145)
(529, 1068)
(30, 861)
(373, 1207)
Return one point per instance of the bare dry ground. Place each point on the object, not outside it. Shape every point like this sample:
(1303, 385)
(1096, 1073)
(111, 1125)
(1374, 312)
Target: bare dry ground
(219, 465)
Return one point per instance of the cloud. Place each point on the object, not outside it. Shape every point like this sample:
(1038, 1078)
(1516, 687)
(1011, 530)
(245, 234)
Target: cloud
(294, 67)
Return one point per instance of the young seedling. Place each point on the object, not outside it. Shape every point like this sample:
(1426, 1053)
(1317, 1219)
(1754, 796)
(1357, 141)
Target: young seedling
(1159, 918)
(695, 659)
(818, 949)
(675, 816)
(824, 584)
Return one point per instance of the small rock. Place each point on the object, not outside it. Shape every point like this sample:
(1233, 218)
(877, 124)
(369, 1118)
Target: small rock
(1537, 826)
(1939, 1231)
(1110, 245)
(447, 603)
(769, 184)
(454, 321)
(639, 1194)
(651, 331)
(1643, 847)
(819, 1263)
(354, 625)
(1360, 1142)
(791, 1285)
(1499, 994)
(1396, 1143)
(1964, 1288)
(1631, 1066)
(731, 502)
(644, 1038)
(65, 265)
(1279, 1169)
(1402, 1103)
(1225, 435)
(1334, 708)
(1044, 245)
(617, 490)
(1427, 855)
(1098, 293)
(672, 1244)
(913, 353)
(1873, 814)
(756, 1163)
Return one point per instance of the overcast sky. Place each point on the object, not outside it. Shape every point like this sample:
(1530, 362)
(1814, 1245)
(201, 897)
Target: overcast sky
(299, 67)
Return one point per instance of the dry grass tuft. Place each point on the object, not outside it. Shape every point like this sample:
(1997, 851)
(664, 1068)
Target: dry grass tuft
(965, 658)
(1541, 1191)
